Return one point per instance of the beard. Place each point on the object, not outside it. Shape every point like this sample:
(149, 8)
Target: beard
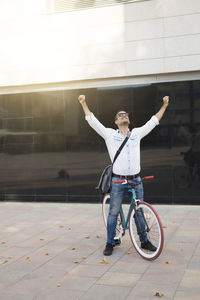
(125, 123)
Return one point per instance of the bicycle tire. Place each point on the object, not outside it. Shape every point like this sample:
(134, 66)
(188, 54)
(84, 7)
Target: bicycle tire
(155, 235)
(105, 211)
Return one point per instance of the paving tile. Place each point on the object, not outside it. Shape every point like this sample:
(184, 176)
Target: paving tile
(59, 293)
(197, 250)
(119, 279)
(15, 296)
(27, 286)
(194, 263)
(74, 282)
(190, 281)
(89, 270)
(187, 295)
(167, 273)
(146, 290)
(133, 265)
(102, 292)
(9, 278)
(95, 257)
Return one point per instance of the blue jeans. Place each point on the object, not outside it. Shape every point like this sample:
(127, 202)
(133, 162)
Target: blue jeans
(117, 193)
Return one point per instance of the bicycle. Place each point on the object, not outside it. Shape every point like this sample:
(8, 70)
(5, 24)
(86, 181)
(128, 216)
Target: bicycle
(153, 226)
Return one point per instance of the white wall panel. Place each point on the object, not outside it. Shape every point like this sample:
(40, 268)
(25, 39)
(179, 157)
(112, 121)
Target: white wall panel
(140, 38)
(136, 68)
(182, 45)
(145, 29)
(144, 49)
(182, 25)
(181, 63)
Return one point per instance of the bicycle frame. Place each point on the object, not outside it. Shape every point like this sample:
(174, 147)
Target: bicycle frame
(132, 204)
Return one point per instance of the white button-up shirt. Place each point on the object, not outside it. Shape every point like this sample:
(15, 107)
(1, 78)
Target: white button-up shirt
(128, 161)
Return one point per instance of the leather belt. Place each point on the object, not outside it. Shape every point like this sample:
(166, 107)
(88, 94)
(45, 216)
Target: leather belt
(126, 177)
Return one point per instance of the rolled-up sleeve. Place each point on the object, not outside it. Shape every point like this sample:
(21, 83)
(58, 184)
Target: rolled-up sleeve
(97, 126)
(148, 127)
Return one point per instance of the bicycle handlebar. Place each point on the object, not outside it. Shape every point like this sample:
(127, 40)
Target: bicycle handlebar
(120, 181)
(148, 177)
(125, 180)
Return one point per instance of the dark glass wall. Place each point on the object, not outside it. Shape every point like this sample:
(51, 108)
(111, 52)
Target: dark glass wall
(48, 151)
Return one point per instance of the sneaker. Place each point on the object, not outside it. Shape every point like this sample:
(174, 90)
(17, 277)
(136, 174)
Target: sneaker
(148, 246)
(108, 250)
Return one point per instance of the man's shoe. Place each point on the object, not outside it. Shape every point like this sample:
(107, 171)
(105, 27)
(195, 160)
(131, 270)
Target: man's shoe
(148, 246)
(108, 250)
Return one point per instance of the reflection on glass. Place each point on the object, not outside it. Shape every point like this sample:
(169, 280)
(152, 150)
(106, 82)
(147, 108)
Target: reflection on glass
(48, 151)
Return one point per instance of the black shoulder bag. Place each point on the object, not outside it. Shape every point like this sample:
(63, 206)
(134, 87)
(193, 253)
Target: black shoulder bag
(106, 176)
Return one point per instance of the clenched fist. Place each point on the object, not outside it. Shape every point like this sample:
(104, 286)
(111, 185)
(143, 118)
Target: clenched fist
(81, 99)
(166, 100)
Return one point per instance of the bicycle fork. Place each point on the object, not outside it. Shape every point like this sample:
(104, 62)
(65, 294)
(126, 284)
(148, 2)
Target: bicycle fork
(138, 221)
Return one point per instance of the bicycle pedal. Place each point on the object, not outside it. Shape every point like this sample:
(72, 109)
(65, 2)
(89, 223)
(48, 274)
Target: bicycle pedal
(117, 241)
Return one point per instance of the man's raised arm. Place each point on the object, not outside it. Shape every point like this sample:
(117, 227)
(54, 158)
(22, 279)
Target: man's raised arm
(82, 101)
(160, 113)
(92, 120)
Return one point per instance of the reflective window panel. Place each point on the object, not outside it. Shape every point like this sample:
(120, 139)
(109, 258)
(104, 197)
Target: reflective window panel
(48, 152)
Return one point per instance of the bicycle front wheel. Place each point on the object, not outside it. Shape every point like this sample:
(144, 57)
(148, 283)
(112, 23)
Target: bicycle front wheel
(153, 229)
(105, 211)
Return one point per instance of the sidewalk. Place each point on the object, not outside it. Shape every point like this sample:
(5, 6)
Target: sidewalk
(52, 251)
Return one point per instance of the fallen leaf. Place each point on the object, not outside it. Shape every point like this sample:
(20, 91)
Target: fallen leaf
(158, 294)
(58, 285)
(84, 257)
(3, 243)
(164, 227)
(73, 249)
(87, 237)
(3, 262)
(128, 252)
(46, 253)
(41, 239)
(168, 262)
(51, 276)
(76, 262)
(27, 257)
(103, 261)
(61, 226)
(98, 236)
(10, 257)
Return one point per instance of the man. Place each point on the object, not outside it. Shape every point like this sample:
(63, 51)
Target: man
(127, 165)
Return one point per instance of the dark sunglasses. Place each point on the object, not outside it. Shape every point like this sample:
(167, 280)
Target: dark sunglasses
(123, 114)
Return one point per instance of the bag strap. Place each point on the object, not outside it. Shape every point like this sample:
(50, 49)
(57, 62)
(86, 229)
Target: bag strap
(121, 147)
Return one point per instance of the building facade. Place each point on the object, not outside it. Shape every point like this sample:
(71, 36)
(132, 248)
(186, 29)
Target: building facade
(121, 55)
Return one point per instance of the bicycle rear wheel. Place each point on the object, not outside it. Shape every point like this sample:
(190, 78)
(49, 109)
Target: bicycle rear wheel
(153, 229)
(105, 211)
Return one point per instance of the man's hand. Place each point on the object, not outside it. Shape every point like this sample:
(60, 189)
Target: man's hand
(81, 99)
(166, 100)
(160, 113)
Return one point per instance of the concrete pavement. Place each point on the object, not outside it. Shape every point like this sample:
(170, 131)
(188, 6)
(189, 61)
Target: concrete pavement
(53, 251)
